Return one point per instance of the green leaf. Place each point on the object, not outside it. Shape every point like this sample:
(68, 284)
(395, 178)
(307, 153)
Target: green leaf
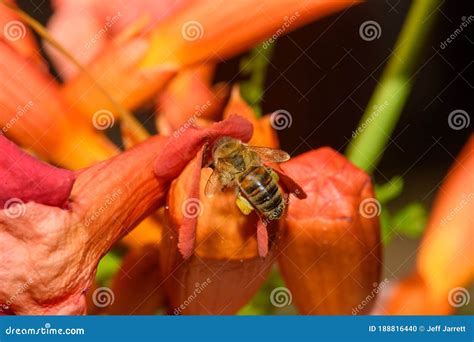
(108, 266)
(255, 65)
(411, 220)
(389, 191)
(386, 226)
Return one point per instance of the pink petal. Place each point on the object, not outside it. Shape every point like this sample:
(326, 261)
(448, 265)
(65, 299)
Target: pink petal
(24, 178)
(187, 231)
(262, 239)
(181, 149)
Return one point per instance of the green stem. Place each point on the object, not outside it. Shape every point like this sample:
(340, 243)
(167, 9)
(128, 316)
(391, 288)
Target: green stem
(387, 102)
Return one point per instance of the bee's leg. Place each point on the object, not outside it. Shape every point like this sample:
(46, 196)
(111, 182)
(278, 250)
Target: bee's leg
(245, 207)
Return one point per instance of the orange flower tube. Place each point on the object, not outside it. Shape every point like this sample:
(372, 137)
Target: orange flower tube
(226, 240)
(330, 249)
(33, 114)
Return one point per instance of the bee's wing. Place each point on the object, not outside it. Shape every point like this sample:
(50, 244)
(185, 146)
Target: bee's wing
(271, 155)
(213, 184)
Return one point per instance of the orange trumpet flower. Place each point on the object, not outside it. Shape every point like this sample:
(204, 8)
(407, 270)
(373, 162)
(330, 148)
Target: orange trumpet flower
(445, 260)
(140, 64)
(330, 248)
(309, 240)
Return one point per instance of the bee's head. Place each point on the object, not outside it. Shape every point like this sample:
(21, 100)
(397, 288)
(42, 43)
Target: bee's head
(225, 147)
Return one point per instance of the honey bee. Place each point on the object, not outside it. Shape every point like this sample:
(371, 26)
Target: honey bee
(242, 166)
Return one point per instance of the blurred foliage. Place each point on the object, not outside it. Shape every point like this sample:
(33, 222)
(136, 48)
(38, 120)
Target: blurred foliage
(409, 221)
(108, 266)
(390, 190)
(255, 65)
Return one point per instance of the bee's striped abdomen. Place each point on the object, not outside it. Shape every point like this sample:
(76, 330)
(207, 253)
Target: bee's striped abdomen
(262, 192)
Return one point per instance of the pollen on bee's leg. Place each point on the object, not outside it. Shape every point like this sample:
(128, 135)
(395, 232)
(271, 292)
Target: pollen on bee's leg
(244, 206)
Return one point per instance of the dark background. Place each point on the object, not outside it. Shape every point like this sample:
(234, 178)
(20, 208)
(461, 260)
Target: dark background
(340, 70)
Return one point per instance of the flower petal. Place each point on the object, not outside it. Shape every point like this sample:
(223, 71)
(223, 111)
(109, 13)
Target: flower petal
(225, 270)
(24, 178)
(190, 98)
